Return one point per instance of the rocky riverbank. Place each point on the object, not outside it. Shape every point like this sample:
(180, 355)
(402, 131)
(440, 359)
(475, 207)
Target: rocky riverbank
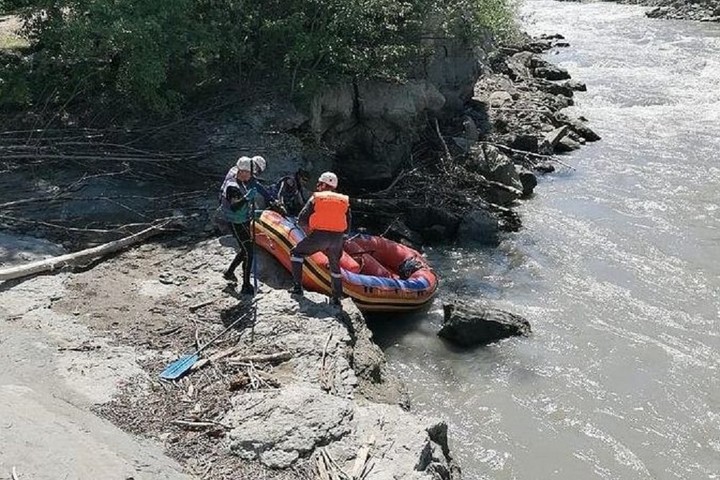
(698, 10)
(300, 385)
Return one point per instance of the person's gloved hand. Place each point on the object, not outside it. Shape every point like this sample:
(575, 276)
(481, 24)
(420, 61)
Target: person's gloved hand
(278, 207)
(250, 194)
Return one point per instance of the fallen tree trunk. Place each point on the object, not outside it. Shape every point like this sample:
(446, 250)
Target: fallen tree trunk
(55, 263)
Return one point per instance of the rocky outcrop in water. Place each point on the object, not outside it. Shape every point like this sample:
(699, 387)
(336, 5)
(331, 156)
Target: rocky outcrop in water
(470, 325)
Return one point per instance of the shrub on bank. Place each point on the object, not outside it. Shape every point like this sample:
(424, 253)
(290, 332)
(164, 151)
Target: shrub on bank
(153, 54)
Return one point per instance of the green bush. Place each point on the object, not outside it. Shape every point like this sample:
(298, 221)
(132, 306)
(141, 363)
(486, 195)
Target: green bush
(151, 54)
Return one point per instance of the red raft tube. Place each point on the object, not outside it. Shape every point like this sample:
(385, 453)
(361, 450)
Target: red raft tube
(378, 274)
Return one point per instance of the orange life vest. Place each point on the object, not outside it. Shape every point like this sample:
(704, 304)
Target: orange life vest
(329, 212)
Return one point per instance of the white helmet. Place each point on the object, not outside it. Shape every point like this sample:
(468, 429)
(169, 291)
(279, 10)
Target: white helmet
(329, 178)
(244, 164)
(260, 163)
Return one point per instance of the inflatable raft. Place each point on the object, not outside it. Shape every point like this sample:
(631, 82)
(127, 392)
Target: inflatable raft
(378, 274)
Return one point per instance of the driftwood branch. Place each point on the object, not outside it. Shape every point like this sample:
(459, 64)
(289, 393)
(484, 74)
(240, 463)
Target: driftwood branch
(192, 425)
(551, 158)
(448, 156)
(55, 263)
(214, 357)
(268, 358)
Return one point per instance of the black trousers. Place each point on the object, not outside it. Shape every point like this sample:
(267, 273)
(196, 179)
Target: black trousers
(244, 255)
(331, 244)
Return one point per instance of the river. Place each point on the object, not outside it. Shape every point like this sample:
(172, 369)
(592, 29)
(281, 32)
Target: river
(617, 269)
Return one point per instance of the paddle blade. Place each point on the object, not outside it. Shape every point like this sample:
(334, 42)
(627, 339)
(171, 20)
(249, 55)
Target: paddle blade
(179, 367)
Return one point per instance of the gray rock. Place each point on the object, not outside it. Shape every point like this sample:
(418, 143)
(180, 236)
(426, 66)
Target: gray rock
(479, 227)
(556, 88)
(577, 125)
(500, 99)
(528, 180)
(551, 72)
(567, 145)
(470, 325)
(279, 427)
(496, 166)
(524, 142)
(576, 85)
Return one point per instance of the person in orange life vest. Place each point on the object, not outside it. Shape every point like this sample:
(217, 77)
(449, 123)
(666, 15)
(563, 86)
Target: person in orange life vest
(326, 218)
(237, 194)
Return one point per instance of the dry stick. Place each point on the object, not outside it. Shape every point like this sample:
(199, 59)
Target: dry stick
(198, 306)
(54, 263)
(213, 358)
(362, 458)
(269, 358)
(331, 461)
(367, 469)
(322, 468)
(66, 196)
(323, 372)
(62, 227)
(448, 156)
(402, 175)
(551, 158)
(203, 424)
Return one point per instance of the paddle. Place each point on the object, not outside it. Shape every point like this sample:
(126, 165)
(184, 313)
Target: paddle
(254, 257)
(183, 364)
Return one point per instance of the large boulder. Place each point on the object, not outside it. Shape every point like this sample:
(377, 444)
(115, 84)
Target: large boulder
(469, 325)
(479, 227)
(496, 166)
(282, 426)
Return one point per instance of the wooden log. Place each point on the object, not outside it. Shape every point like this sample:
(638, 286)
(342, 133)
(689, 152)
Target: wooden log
(55, 263)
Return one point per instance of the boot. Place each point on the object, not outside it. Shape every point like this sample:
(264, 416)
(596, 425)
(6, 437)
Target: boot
(296, 290)
(247, 289)
(230, 276)
(335, 302)
(337, 288)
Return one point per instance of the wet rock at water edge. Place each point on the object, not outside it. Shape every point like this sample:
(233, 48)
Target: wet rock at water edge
(469, 325)
(528, 180)
(577, 125)
(479, 227)
(552, 72)
(576, 85)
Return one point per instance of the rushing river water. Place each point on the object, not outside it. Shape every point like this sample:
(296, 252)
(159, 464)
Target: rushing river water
(617, 269)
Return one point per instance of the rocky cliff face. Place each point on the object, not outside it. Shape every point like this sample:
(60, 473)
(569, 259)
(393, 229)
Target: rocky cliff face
(372, 125)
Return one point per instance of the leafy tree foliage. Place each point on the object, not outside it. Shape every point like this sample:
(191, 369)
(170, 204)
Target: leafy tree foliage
(153, 53)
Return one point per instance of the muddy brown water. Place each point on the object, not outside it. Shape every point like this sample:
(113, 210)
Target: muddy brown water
(617, 269)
